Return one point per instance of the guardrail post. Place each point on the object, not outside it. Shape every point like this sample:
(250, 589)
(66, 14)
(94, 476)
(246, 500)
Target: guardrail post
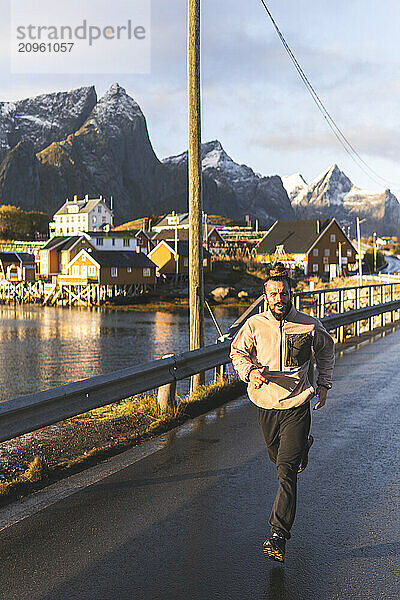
(358, 291)
(220, 372)
(166, 395)
(322, 306)
(371, 302)
(391, 299)
(382, 301)
(341, 310)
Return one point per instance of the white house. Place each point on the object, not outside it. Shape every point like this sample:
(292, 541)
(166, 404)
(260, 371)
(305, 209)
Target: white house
(76, 216)
(175, 220)
(113, 240)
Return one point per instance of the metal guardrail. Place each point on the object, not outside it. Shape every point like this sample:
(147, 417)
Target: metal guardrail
(34, 411)
(353, 316)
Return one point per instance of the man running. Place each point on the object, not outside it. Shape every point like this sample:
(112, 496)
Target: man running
(274, 352)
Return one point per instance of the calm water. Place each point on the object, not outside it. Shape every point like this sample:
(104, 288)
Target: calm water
(43, 347)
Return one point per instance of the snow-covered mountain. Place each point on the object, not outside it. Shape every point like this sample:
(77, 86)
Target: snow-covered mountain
(54, 146)
(294, 184)
(57, 145)
(45, 118)
(236, 190)
(332, 194)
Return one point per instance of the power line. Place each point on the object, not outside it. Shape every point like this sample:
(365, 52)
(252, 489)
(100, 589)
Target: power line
(349, 148)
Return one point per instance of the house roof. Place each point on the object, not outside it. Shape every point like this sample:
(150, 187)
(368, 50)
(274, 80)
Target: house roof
(183, 220)
(53, 242)
(72, 241)
(183, 234)
(116, 258)
(164, 221)
(183, 247)
(84, 206)
(131, 233)
(20, 257)
(169, 234)
(62, 242)
(297, 237)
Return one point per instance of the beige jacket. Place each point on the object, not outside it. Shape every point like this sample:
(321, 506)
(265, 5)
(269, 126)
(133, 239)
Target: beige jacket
(288, 349)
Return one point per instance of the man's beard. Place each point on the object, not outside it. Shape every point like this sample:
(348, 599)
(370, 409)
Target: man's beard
(281, 315)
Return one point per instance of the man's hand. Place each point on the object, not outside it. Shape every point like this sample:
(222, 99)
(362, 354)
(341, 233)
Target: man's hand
(322, 392)
(257, 378)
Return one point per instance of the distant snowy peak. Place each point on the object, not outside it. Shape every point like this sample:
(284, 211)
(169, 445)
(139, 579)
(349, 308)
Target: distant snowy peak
(214, 157)
(332, 194)
(327, 189)
(236, 190)
(215, 160)
(293, 184)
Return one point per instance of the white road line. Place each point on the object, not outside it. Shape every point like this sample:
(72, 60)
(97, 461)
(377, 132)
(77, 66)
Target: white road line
(30, 505)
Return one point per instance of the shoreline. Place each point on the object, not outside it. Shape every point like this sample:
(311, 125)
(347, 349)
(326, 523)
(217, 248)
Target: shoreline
(180, 303)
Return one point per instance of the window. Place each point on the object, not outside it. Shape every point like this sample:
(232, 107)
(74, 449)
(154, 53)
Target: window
(92, 271)
(185, 262)
(127, 242)
(75, 271)
(327, 252)
(349, 253)
(326, 268)
(315, 268)
(333, 237)
(315, 252)
(129, 269)
(204, 262)
(146, 272)
(44, 260)
(99, 241)
(114, 271)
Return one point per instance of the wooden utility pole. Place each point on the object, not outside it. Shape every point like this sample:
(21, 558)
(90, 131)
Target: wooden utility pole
(196, 283)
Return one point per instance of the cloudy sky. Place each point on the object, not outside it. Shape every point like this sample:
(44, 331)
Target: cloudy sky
(253, 100)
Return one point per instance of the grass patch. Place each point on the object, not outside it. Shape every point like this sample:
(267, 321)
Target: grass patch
(36, 470)
(41, 470)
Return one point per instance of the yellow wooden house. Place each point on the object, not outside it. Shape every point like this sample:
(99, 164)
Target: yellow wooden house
(169, 261)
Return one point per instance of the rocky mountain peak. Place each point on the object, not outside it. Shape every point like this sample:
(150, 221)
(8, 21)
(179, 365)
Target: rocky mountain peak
(215, 158)
(332, 194)
(45, 118)
(293, 184)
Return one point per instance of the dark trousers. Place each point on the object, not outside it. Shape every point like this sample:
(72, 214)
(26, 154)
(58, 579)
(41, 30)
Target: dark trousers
(285, 433)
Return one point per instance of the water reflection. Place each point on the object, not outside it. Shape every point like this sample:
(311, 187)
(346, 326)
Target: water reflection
(276, 584)
(43, 347)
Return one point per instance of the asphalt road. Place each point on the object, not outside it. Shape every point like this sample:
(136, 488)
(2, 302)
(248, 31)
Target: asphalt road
(188, 520)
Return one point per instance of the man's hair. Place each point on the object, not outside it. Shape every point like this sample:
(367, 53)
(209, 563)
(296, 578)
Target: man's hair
(278, 273)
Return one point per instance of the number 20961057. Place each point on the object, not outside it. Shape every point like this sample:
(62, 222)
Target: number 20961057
(45, 46)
